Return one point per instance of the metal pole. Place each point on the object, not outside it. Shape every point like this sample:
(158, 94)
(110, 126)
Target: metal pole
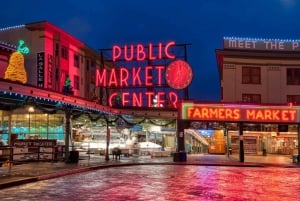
(298, 158)
(186, 90)
(241, 154)
(227, 141)
(68, 133)
(47, 126)
(10, 142)
(107, 140)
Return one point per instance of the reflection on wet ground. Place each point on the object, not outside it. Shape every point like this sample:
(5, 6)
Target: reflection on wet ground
(166, 182)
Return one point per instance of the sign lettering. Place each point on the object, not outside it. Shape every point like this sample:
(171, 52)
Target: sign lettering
(259, 113)
(40, 69)
(261, 44)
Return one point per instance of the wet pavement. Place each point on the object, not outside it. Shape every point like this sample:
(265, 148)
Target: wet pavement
(213, 177)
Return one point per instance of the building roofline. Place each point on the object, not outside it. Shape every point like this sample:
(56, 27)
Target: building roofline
(7, 46)
(44, 24)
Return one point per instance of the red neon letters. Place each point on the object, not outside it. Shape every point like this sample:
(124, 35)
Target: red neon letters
(135, 99)
(122, 77)
(140, 53)
(148, 77)
(240, 114)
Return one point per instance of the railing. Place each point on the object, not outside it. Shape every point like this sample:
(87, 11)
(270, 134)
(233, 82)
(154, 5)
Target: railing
(15, 155)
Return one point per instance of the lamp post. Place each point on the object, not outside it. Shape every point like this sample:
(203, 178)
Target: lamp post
(107, 141)
(30, 110)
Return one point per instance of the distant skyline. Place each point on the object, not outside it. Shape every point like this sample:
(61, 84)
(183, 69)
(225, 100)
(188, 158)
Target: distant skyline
(203, 24)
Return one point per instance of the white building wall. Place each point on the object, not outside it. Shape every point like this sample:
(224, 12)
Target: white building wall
(273, 88)
(229, 84)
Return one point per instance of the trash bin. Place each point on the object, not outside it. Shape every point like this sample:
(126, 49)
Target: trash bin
(179, 157)
(264, 152)
(74, 157)
(295, 159)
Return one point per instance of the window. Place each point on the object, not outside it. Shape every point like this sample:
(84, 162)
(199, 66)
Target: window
(64, 52)
(250, 75)
(76, 60)
(76, 82)
(93, 72)
(294, 99)
(293, 76)
(87, 65)
(56, 49)
(251, 98)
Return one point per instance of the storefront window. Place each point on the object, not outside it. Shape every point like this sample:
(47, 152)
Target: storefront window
(33, 126)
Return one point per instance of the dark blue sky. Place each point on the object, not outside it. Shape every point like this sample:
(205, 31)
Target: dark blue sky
(203, 23)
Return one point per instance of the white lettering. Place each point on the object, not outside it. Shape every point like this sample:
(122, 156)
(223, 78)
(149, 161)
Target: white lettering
(295, 45)
(242, 44)
(232, 43)
(281, 45)
(274, 45)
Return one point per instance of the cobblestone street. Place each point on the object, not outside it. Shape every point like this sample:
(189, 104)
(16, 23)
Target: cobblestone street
(166, 182)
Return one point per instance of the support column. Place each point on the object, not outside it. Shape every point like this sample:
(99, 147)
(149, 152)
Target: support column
(107, 140)
(11, 139)
(68, 134)
(298, 158)
(180, 136)
(241, 154)
(180, 154)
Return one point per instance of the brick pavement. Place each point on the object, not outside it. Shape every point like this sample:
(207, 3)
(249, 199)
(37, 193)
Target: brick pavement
(35, 171)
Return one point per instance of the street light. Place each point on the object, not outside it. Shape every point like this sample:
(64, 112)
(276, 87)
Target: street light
(30, 110)
(107, 142)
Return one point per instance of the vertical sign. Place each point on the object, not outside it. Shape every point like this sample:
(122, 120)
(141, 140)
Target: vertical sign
(49, 74)
(40, 69)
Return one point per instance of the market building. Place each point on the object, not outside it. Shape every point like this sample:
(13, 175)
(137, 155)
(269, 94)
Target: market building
(261, 73)
(55, 87)
(59, 95)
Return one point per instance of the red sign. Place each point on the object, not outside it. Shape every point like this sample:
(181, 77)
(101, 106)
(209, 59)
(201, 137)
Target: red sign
(233, 113)
(179, 74)
(148, 78)
(140, 53)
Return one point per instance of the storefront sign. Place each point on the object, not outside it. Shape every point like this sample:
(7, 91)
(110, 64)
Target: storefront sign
(40, 69)
(237, 113)
(50, 65)
(261, 44)
(144, 77)
(34, 143)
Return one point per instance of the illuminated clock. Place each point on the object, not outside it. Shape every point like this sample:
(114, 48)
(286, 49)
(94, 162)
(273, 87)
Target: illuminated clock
(179, 74)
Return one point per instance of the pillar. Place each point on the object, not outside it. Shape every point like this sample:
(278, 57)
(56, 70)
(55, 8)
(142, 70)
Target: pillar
(68, 133)
(180, 136)
(298, 157)
(241, 153)
(107, 140)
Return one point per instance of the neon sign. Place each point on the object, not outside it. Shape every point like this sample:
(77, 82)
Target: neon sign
(121, 77)
(22, 48)
(15, 70)
(141, 53)
(261, 44)
(147, 77)
(233, 113)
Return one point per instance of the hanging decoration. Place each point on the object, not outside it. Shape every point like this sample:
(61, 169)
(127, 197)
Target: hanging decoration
(68, 89)
(15, 70)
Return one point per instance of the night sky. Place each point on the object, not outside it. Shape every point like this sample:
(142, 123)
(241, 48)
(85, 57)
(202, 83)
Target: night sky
(202, 23)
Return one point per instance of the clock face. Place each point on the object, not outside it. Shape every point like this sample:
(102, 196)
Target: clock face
(179, 74)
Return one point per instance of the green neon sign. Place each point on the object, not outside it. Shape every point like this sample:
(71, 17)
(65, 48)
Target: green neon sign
(22, 48)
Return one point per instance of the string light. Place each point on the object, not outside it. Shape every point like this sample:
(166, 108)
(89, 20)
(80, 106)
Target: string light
(260, 39)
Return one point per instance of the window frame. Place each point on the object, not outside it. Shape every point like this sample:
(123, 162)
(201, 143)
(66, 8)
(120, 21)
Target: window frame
(253, 76)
